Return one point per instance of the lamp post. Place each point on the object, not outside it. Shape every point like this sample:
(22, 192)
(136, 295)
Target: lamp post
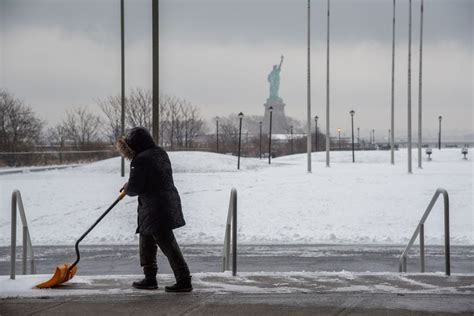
(439, 133)
(291, 133)
(241, 115)
(352, 112)
(373, 133)
(339, 138)
(270, 109)
(316, 133)
(260, 151)
(217, 134)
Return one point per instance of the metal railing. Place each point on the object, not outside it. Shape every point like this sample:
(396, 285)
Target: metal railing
(231, 222)
(27, 246)
(420, 230)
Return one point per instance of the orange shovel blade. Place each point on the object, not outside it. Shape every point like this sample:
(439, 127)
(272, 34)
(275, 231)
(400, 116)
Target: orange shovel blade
(61, 275)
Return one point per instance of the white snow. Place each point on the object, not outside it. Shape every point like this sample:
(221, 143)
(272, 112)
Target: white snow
(370, 201)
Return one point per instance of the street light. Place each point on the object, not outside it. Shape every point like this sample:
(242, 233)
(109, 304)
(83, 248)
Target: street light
(270, 109)
(316, 133)
(339, 141)
(241, 115)
(291, 132)
(260, 151)
(217, 134)
(439, 133)
(352, 112)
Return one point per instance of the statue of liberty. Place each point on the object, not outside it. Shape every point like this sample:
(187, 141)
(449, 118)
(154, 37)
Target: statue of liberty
(274, 80)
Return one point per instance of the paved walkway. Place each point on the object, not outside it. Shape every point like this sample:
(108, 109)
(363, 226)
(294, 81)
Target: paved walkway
(249, 293)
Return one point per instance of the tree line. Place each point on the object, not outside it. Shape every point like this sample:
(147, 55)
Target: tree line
(80, 128)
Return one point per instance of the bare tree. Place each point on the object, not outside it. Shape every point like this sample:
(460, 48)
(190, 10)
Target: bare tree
(194, 126)
(139, 108)
(229, 133)
(112, 109)
(82, 127)
(58, 135)
(20, 129)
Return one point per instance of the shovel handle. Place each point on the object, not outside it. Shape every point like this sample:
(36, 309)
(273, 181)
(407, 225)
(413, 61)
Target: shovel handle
(120, 197)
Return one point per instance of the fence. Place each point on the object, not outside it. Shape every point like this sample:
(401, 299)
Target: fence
(41, 158)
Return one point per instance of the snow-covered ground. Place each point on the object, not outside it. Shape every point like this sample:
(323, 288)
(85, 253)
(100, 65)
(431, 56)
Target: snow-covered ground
(251, 283)
(367, 202)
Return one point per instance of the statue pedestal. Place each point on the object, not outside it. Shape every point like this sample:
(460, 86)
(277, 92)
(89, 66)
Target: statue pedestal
(279, 123)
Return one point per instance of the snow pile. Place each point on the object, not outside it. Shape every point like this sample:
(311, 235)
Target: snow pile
(367, 202)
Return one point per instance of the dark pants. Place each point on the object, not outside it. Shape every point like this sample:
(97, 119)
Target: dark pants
(168, 245)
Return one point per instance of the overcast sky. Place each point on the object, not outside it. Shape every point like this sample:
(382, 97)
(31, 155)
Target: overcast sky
(217, 54)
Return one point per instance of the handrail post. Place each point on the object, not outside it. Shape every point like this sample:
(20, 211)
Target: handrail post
(13, 239)
(230, 228)
(17, 204)
(25, 248)
(422, 247)
(447, 252)
(234, 233)
(420, 229)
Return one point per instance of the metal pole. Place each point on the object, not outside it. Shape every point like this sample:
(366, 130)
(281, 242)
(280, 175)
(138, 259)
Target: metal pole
(270, 140)
(308, 137)
(234, 234)
(291, 132)
(25, 248)
(409, 90)
(240, 136)
(122, 50)
(352, 121)
(339, 138)
(156, 71)
(328, 141)
(358, 136)
(392, 119)
(13, 238)
(419, 89)
(447, 252)
(260, 151)
(422, 247)
(439, 133)
(316, 134)
(217, 135)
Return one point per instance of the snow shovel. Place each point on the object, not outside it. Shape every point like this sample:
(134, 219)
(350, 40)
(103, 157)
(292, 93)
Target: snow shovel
(67, 271)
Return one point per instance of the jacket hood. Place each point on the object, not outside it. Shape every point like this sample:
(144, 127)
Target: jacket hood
(139, 140)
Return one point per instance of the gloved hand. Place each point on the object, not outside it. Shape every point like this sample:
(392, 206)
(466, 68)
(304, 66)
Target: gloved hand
(124, 188)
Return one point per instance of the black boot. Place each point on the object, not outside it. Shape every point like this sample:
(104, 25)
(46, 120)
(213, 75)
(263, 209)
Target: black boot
(182, 285)
(148, 283)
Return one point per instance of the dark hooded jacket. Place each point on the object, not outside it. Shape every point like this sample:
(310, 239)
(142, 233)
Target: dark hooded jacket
(151, 178)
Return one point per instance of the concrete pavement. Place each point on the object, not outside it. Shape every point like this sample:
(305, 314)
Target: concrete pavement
(250, 293)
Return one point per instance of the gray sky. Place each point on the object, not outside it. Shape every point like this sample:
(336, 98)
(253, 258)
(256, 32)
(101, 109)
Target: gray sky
(217, 54)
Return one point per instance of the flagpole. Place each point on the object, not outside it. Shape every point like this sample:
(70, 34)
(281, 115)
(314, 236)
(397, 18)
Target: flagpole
(409, 91)
(308, 137)
(419, 89)
(392, 136)
(328, 140)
